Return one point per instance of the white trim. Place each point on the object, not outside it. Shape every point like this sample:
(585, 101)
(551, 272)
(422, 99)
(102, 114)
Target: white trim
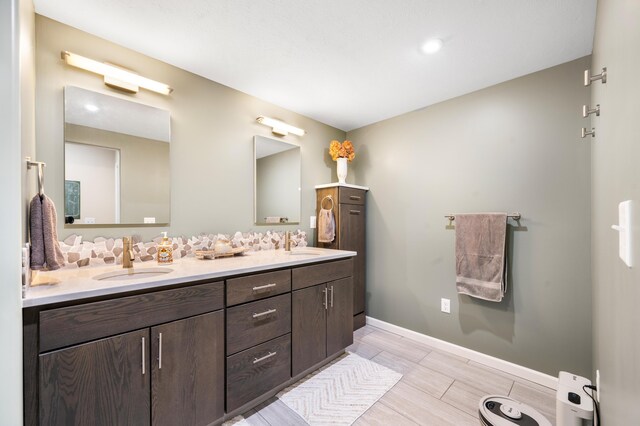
(488, 360)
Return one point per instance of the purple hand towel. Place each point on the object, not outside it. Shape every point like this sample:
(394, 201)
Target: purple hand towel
(45, 248)
(481, 255)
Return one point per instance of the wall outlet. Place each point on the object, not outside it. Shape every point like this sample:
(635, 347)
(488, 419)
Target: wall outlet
(90, 220)
(598, 385)
(445, 305)
(312, 222)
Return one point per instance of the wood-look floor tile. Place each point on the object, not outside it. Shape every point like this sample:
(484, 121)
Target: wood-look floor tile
(363, 331)
(472, 375)
(396, 345)
(424, 409)
(394, 362)
(429, 381)
(544, 402)
(509, 376)
(381, 415)
(254, 419)
(363, 349)
(464, 397)
(277, 413)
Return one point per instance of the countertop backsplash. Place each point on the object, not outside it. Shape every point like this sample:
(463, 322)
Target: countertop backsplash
(104, 251)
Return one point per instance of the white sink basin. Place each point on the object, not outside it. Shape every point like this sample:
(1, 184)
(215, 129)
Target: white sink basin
(132, 274)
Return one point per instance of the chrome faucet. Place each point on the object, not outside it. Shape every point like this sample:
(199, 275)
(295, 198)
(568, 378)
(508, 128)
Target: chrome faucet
(127, 252)
(288, 242)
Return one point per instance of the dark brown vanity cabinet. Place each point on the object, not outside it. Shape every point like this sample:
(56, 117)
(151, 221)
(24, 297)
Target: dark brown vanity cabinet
(105, 382)
(169, 371)
(321, 314)
(187, 371)
(190, 355)
(349, 205)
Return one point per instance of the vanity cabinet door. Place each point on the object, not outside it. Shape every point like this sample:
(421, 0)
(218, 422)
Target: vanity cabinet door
(309, 329)
(188, 371)
(105, 382)
(352, 237)
(339, 315)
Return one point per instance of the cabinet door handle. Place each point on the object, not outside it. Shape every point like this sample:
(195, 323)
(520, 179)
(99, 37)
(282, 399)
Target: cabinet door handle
(354, 197)
(143, 357)
(267, 312)
(325, 304)
(159, 351)
(332, 296)
(262, 287)
(354, 211)
(267, 356)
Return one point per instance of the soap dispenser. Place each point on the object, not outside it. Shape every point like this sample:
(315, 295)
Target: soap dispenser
(165, 251)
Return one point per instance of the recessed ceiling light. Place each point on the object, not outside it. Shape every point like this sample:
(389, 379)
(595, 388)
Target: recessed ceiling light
(432, 45)
(91, 107)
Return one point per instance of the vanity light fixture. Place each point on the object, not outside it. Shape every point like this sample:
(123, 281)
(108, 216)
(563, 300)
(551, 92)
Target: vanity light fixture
(432, 46)
(115, 76)
(280, 128)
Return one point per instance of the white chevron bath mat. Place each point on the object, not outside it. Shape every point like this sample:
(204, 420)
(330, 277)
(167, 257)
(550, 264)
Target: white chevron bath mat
(341, 392)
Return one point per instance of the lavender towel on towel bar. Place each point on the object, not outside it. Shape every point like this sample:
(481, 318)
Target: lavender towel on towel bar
(481, 255)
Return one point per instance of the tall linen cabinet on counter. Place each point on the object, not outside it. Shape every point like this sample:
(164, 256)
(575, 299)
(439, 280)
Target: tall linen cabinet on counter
(349, 209)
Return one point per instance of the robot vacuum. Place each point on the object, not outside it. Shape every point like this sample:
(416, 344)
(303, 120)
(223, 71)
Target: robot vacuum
(498, 410)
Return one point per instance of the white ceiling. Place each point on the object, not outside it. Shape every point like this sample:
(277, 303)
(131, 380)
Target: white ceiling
(347, 63)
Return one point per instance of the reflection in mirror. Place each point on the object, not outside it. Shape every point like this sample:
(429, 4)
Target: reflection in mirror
(116, 160)
(277, 181)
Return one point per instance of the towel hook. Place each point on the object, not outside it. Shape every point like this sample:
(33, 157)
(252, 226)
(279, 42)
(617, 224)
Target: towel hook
(41, 165)
(330, 199)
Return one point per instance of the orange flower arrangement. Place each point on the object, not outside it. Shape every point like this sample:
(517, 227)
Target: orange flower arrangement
(342, 150)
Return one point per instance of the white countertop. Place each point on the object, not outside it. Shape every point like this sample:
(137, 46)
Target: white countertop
(345, 185)
(77, 284)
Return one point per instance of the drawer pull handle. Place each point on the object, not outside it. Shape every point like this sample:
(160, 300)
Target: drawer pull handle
(262, 287)
(354, 197)
(143, 357)
(267, 312)
(354, 211)
(267, 356)
(159, 351)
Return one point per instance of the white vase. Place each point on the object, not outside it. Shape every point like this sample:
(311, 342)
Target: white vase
(341, 169)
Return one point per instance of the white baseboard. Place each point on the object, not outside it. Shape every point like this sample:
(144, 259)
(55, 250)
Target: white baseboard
(488, 360)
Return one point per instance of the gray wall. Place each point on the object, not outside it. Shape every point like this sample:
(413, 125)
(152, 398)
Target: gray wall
(212, 136)
(511, 147)
(616, 177)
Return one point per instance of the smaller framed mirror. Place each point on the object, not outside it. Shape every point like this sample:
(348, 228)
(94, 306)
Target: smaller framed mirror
(277, 168)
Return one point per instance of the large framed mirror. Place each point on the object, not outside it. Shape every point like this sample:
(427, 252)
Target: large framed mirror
(277, 169)
(116, 160)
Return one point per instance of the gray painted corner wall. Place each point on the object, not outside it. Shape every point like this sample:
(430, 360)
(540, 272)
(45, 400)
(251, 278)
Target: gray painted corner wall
(212, 137)
(511, 147)
(616, 177)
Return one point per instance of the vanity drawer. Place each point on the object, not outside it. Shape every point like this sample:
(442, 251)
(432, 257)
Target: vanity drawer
(257, 322)
(259, 286)
(82, 323)
(351, 195)
(253, 372)
(308, 276)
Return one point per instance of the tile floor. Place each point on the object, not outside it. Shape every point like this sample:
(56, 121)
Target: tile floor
(437, 388)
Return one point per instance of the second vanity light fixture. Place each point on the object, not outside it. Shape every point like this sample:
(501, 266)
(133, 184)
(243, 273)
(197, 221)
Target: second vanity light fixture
(115, 76)
(279, 127)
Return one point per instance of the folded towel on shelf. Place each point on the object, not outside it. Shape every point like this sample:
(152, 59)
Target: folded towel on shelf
(272, 219)
(45, 248)
(326, 226)
(481, 266)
